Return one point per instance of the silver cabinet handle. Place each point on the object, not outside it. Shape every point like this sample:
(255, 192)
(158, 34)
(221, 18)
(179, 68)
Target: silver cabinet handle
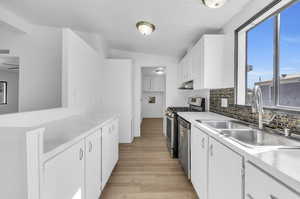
(249, 196)
(90, 146)
(211, 150)
(203, 143)
(80, 154)
(273, 197)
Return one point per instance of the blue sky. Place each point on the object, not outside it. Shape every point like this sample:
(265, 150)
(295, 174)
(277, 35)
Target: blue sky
(260, 46)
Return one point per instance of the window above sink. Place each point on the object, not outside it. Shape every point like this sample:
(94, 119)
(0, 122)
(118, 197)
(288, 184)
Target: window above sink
(267, 54)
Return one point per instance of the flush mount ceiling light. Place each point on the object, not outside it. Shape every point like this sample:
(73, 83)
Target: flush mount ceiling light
(214, 3)
(145, 27)
(159, 71)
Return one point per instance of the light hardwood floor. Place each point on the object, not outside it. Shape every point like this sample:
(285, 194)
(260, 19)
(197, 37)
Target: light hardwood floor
(146, 171)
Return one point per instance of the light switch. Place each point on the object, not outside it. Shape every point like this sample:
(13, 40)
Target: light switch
(224, 102)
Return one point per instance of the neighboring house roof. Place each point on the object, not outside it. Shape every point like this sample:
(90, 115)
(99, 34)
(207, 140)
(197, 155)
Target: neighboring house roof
(284, 79)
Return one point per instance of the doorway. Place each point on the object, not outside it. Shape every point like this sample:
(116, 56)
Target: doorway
(9, 84)
(153, 92)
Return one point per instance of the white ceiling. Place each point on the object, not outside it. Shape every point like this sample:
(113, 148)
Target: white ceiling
(179, 22)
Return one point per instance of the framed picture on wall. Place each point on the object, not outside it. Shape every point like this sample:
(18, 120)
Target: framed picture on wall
(152, 100)
(3, 92)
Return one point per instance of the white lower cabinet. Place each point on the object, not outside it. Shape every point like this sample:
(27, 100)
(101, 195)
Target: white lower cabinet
(216, 171)
(115, 134)
(225, 173)
(82, 171)
(93, 165)
(259, 185)
(106, 154)
(63, 175)
(199, 162)
(110, 149)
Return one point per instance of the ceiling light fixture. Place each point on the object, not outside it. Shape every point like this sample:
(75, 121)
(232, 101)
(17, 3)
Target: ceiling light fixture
(214, 3)
(145, 27)
(159, 71)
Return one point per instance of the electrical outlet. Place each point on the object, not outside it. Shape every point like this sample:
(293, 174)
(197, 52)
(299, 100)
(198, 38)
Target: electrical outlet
(224, 102)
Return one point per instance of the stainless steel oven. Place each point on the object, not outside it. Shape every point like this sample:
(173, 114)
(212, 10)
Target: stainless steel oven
(184, 147)
(172, 135)
(172, 128)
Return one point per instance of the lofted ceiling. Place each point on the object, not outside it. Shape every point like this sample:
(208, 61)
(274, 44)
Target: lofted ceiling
(179, 22)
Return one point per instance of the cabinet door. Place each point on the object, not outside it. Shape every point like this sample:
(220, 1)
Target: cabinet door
(180, 75)
(213, 57)
(199, 162)
(63, 176)
(157, 84)
(225, 172)
(196, 61)
(271, 189)
(106, 154)
(115, 144)
(146, 83)
(189, 66)
(185, 69)
(93, 166)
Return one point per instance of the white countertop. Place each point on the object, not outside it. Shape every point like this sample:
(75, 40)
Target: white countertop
(283, 164)
(63, 133)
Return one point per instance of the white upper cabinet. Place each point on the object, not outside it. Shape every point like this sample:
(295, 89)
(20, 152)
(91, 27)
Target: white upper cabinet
(153, 84)
(203, 63)
(179, 74)
(259, 185)
(146, 83)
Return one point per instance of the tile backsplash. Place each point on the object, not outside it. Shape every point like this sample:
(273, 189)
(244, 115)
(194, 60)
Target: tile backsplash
(282, 120)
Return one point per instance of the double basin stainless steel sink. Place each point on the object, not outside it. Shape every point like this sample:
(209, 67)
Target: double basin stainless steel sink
(249, 136)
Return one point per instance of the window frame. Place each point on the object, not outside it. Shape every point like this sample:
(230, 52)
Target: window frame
(276, 56)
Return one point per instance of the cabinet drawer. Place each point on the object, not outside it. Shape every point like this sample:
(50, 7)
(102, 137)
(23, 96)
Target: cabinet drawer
(259, 185)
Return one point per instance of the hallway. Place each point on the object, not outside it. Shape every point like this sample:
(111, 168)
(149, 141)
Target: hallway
(146, 171)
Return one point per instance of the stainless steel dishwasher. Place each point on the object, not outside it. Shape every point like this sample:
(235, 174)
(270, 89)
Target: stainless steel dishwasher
(184, 151)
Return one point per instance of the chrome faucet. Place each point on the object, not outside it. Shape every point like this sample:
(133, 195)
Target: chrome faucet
(257, 107)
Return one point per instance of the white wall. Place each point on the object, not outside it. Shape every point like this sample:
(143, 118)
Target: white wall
(118, 95)
(96, 41)
(40, 52)
(173, 97)
(150, 110)
(249, 11)
(12, 79)
(40, 66)
(82, 69)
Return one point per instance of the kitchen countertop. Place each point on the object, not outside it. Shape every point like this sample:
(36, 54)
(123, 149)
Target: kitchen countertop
(283, 164)
(72, 128)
